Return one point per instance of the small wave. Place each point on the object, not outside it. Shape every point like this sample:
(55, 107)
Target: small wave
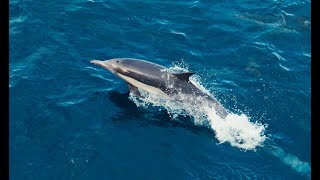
(283, 67)
(101, 77)
(278, 56)
(286, 13)
(178, 33)
(196, 53)
(235, 129)
(17, 20)
(306, 54)
(88, 67)
(162, 21)
(194, 4)
(71, 102)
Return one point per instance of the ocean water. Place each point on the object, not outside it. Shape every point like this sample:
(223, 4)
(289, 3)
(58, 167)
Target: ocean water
(70, 119)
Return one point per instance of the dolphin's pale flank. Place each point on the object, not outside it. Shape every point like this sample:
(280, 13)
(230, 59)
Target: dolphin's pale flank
(155, 79)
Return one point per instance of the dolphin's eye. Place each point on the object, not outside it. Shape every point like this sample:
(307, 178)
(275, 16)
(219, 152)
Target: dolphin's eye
(118, 61)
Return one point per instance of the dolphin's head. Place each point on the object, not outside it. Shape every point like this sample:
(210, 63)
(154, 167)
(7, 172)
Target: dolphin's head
(113, 65)
(130, 67)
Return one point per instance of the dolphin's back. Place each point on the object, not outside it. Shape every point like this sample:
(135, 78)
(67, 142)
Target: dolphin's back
(196, 96)
(146, 72)
(143, 67)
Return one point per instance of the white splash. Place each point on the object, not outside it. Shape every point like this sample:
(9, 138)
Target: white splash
(235, 129)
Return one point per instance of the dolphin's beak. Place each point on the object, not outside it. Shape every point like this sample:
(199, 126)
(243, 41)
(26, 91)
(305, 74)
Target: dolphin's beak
(103, 64)
(97, 62)
(100, 63)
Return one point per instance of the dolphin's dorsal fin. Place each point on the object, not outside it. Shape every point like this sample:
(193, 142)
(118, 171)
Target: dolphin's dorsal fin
(183, 76)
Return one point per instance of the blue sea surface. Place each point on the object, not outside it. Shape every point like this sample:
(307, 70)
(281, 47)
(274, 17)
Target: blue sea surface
(70, 119)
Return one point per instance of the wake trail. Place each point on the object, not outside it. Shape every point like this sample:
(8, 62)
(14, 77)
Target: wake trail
(301, 167)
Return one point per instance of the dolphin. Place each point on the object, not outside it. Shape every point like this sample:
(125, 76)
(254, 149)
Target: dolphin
(154, 78)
